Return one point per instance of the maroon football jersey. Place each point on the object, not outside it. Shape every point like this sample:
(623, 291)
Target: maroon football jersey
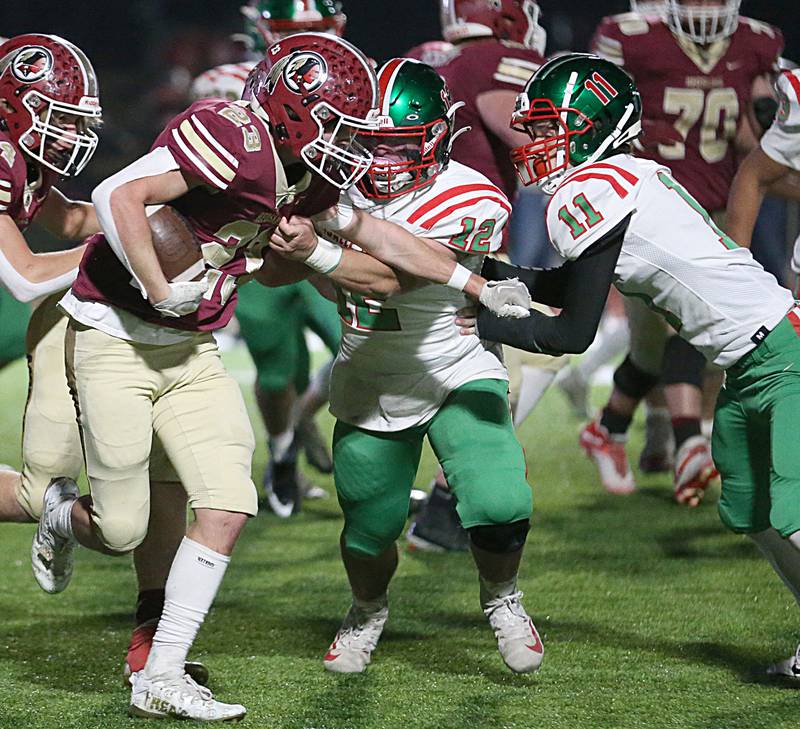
(227, 147)
(471, 69)
(703, 93)
(20, 198)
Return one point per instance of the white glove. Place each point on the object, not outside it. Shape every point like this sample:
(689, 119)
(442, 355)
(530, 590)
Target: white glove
(506, 299)
(184, 298)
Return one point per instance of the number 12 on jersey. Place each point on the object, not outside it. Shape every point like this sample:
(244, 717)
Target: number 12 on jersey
(582, 209)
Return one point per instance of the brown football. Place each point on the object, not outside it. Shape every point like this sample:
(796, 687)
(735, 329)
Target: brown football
(176, 245)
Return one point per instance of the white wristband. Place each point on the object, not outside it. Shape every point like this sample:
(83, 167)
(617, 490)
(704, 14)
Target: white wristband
(325, 257)
(344, 216)
(459, 277)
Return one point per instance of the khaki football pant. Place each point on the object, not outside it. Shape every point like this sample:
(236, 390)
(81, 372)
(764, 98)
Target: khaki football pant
(51, 443)
(126, 393)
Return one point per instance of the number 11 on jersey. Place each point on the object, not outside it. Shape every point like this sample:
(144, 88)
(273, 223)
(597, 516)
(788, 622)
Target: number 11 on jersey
(582, 209)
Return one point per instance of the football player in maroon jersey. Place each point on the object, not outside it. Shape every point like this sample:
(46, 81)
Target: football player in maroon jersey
(490, 49)
(141, 346)
(49, 106)
(698, 65)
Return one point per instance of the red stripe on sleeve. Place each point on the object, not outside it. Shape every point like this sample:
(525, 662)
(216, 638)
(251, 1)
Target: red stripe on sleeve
(795, 321)
(610, 179)
(621, 171)
(451, 193)
(430, 222)
(795, 83)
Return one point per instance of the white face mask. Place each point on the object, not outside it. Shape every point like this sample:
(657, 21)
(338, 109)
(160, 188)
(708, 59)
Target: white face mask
(703, 24)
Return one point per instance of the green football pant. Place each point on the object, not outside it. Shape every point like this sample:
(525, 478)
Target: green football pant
(473, 438)
(272, 323)
(756, 441)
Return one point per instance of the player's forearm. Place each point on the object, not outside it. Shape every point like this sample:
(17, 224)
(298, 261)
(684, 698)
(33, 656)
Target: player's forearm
(136, 239)
(68, 219)
(40, 274)
(744, 202)
(404, 252)
(279, 271)
(366, 275)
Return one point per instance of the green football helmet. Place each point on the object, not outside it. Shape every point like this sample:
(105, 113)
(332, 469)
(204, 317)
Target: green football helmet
(576, 108)
(267, 21)
(412, 145)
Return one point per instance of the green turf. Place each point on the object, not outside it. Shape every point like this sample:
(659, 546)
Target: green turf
(652, 616)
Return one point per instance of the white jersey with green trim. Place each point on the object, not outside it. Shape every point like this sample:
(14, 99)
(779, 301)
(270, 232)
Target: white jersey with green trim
(673, 255)
(781, 142)
(400, 358)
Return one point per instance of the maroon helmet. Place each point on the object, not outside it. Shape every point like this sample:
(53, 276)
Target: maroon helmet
(51, 101)
(512, 20)
(318, 91)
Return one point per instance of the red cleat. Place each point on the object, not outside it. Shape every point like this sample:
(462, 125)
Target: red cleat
(609, 456)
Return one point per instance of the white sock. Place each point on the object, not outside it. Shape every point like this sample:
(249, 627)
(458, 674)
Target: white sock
(280, 444)
(612, 340)
(192, 585)
(493, 590)
(783, 555)
(535, 382)
(61, 519)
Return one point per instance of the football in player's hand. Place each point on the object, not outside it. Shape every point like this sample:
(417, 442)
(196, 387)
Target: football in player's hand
(176, 245)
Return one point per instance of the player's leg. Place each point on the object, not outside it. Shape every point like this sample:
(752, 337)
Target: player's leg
(202, 423)
(322, 318)
(604, 440)
(269, 320)
(612, 341)
(373, 473)
(473, 438)
(107, 376)
(683, 369)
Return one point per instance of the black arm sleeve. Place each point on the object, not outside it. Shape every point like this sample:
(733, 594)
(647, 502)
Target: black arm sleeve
(547, 285)
(584, 296)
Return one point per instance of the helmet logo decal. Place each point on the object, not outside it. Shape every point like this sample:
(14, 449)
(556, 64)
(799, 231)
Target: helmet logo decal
(305, 72)
(31, 64)
(601, 88)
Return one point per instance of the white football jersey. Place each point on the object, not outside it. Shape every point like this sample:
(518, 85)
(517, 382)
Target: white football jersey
(782, 140)
(673, 256)
(222, 82)
(400, 358)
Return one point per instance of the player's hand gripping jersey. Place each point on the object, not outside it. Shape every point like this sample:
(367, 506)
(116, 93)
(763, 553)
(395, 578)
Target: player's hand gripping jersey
(20, 198)
(470, 70)
(673, 256)
(400, 358)
(702, 92)
(243, 194)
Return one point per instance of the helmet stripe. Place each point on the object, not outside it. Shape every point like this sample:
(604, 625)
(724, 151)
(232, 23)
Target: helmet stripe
(794, 82)
(386, 77)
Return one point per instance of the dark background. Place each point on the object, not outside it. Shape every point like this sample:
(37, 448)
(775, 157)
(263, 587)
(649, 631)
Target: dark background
(146, 52)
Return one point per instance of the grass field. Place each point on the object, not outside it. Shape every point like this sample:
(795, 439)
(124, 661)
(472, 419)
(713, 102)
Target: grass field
(652, 617)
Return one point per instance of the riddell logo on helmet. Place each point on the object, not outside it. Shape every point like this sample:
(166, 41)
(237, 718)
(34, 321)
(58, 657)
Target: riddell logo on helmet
(305, 72)
(31, 64)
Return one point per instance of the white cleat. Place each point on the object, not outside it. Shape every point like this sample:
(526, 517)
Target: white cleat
(179, 697)
(517, 640)
(694, 471)
(790, 668)
(608, 454)
(51, 554)
(351, 650)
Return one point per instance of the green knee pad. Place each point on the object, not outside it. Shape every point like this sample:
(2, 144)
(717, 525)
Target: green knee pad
(473, 437)
(374, 473)
(270, 321)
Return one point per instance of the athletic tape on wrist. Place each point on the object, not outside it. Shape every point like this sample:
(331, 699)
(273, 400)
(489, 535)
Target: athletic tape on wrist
(325, 257)
(343, 218)
(459, 277)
